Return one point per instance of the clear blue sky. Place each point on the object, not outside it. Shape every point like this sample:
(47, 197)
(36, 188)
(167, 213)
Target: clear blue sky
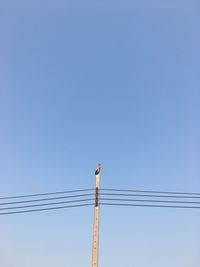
(107, 81)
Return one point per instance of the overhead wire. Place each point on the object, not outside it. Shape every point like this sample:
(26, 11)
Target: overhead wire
(107, 197)
(150, 200)
(46, 194)
(47, 204)
(148, 195)
(150, 191)
(146, 205)
(45, 199)
(44, 209)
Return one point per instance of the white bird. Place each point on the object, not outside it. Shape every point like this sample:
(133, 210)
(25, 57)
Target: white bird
(98, 169)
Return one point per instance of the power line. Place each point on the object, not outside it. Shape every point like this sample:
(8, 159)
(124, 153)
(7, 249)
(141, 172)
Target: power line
(153, 197)
(103, 189)
(139, 195)
(150, 191)
(149, 200)
(44, 199)
(46, 194)
(45, 209)
(48, 204)
(151, 206)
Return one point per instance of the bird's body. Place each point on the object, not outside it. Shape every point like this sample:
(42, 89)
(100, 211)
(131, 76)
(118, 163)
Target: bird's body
(98, 169)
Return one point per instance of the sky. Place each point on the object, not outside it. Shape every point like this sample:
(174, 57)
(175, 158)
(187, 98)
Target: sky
(116, 82)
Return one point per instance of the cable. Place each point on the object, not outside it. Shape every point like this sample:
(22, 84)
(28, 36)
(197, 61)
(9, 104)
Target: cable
(43, 199)
(103, 189)
(48, 204)
(45, 209)
(152, 206)
(46, 194)
(139, 195)
(149, 191)
(109, 201)
(148, 200)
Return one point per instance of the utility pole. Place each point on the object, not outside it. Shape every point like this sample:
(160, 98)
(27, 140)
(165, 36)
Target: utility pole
(95, 246)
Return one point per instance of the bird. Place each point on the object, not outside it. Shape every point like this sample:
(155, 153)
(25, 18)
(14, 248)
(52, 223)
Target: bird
(98, 169)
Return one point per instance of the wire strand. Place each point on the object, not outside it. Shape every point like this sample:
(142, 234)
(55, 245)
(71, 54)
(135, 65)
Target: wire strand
(46, 194)
(151, 206)
(43, 199)
(139, 195)
(45, 209)
(149, 200)
(48, 204)
(150, 191)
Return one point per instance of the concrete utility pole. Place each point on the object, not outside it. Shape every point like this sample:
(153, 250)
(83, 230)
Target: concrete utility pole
(95, 246)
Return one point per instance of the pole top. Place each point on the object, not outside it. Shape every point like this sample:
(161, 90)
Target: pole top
(98, 169)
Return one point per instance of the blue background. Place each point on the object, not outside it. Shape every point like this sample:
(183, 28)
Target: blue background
(115, 82)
